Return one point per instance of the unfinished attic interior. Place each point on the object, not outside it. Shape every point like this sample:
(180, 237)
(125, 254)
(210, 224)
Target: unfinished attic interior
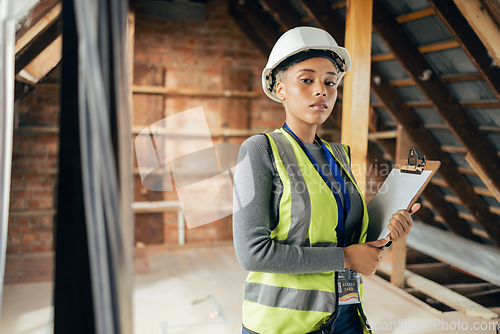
(94, 242)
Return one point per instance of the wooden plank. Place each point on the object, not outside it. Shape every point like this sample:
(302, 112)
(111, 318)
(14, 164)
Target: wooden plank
(398, 251)
(356, 88)
(31, 213)
(442, 294)
(450, 110)
(416, 15)
(459, 77)
(42, 17)
(483, 175)
(382, 135)
(422, 49)
(42, 41)
(470, 42)
(338, 5)
(45, 61)
(494, 9)
(158, 90)
(483, 24)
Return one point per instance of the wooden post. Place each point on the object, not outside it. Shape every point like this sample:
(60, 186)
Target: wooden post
(398, 252)
(356, 94)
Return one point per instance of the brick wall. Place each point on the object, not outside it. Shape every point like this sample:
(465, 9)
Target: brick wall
(34, 171)
(196, 56)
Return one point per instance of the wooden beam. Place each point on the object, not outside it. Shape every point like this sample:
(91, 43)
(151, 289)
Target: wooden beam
(398, 251)
(321, 12)
(416, 15)
(382, 135)
(469, 41)
(265, 29)
(400, 111)
(42, 41)
(422, 49)
(478, 168)
(450, 110)
(459, 77)
(442, 294)
(356, 87)
(494, 9)
(282, 13)
(483, 24)
(248, 29)
(158, 90)
(45, 14)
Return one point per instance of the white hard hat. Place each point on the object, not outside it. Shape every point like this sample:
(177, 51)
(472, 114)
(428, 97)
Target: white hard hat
(298, 40)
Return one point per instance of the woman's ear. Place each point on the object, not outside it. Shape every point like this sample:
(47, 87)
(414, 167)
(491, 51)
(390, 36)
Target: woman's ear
(280, 90)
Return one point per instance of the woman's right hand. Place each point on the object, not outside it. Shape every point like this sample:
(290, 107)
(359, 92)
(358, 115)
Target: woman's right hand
(365, 258)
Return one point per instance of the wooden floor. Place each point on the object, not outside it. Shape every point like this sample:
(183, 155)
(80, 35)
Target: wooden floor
(199, 289)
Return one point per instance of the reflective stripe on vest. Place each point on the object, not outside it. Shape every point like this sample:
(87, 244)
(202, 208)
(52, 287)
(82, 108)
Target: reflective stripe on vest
(285, 303)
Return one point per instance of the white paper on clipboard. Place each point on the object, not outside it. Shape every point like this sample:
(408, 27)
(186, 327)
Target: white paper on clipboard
(396, 193)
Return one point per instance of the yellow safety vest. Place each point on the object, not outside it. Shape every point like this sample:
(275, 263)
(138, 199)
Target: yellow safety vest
(299, 303)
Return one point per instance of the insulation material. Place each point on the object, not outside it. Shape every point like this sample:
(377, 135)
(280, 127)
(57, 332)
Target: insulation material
(485, 116)
(450, 61)
(428, 30)
(476, 259)
(378, 46)
(446, 138)
(401, 7)
(428, 115)
(410, 93)
(392, 69)
(471, 91)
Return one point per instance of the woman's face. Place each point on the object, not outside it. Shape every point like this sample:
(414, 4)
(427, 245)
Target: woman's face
(309, 91)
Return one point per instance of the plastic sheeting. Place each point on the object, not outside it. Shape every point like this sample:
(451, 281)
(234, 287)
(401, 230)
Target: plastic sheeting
(476, 259)
(95, 173)
(7, 42)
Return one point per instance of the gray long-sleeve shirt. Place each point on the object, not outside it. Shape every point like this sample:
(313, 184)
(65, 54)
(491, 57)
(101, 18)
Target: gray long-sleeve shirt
(254, 221)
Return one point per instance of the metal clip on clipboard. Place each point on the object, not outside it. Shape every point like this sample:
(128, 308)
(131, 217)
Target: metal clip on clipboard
(415, 163)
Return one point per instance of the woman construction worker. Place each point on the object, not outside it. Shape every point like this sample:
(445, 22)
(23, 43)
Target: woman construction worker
(301, 231)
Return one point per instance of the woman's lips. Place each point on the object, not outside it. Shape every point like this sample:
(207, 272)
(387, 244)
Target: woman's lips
(319, 106)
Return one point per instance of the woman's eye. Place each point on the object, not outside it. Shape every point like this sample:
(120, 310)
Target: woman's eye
(330, 83)
(306, 81)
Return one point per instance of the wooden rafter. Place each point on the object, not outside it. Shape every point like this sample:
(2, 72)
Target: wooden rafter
(446, 210)
(486, 28)
(35, 47)
(469, 41)
(446, 104)
(448, 171)
(321, 12)
(280, 10)
(266, 31)
(248, 29)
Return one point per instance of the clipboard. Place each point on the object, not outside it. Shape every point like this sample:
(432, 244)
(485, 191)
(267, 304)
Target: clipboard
(400, 190)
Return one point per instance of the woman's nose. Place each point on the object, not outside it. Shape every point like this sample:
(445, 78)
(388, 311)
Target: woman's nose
(320, 90)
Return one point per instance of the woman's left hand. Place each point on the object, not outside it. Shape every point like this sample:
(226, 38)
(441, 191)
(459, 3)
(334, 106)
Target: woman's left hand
(401, 223)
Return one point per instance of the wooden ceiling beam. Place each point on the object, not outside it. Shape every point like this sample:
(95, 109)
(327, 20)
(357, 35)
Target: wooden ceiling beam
(41, 17)
(248, 29)
(447, 106)
(253, 14)
(415, 15)
(422, 49)
(469, 41)
(484, 25)
(37, 46)
(448, 171)
(322, 13)
(283, 14)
